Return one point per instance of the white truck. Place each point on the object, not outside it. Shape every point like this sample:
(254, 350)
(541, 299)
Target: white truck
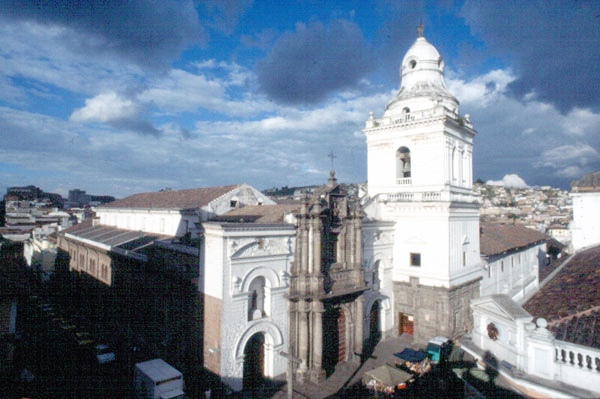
(157, 379)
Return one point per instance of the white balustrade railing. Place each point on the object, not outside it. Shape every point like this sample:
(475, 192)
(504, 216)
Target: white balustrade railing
(411, 117)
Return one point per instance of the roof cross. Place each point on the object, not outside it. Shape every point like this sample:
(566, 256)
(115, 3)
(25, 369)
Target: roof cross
(420, 29)
(332, 157)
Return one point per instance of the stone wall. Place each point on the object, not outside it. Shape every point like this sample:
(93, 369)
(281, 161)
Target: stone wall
(436, 310)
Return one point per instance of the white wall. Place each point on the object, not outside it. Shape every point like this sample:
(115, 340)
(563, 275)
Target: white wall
(378, 245)
(515, 274)
(236, 254)
(585, 227)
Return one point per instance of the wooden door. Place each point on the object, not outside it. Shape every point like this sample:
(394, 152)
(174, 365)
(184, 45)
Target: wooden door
(405, 324)
(341, 330)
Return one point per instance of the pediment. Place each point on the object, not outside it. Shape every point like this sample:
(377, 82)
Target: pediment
(500, 306)
(261, 247)
(491, 309)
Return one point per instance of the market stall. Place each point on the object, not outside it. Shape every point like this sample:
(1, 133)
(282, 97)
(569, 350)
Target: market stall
(387, 379)
(416, 362)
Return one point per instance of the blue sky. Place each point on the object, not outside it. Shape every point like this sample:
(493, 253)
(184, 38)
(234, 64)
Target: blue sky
(118, 97)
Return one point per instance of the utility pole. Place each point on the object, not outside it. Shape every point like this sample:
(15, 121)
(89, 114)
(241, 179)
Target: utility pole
(292, 360)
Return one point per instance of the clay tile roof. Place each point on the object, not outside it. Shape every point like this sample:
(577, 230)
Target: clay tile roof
(571, 300)
(589, 182)
(258, 214)
(496, 238)
(171, 199)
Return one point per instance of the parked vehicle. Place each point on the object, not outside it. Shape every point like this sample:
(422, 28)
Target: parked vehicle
(157, 379)
(104, 354)
(439, 348)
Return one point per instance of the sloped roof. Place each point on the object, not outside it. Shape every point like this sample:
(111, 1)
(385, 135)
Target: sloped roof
(259, 214)
(573, 292)
(496, 238)
(111, 236)
(171, 199)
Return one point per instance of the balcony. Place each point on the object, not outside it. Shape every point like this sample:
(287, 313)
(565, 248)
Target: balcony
(430, 196)
(419, 116)
(336, 283)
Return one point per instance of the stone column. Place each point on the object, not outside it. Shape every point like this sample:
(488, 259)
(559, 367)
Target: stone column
(316, 245)
(317, 374)
(303, 340)
(359, 325)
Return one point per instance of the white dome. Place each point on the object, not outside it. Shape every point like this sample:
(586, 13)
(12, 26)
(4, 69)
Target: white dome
(421, 50)
(422, 80)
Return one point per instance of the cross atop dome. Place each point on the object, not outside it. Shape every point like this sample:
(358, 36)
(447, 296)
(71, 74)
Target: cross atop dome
(420, 29)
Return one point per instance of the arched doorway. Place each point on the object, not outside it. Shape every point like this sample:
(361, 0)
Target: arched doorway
(254, 363)
(374, 327)
(334, 339)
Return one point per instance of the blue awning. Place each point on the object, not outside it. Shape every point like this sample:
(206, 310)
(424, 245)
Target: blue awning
(411, 355)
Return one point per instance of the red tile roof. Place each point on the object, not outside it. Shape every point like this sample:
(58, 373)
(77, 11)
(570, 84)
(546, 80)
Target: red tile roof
(171, 199)
(259, 214)
(570, 301)
(496, 238)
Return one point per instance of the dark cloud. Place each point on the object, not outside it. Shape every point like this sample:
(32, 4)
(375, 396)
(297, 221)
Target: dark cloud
(145, 31)
(306, 65)
(554, 45)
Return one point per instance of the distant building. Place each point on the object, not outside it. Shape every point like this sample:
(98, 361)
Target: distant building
(585, 228)
(79, 198)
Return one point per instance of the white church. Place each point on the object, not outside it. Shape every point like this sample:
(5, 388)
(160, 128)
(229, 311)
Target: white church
(324, 279)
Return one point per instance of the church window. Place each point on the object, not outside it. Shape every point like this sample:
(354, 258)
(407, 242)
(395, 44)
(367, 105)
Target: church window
(233, 203)
(464, 258)
(412, 64)
(406, 110)
(403, 164)
(256, 308)
(415, 259)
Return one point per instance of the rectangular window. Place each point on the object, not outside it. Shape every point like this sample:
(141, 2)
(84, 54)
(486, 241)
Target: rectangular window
(415, 259)
(502, 266)
(464, 258)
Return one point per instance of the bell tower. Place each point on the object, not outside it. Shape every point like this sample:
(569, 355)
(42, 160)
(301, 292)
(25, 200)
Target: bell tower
(420, 177)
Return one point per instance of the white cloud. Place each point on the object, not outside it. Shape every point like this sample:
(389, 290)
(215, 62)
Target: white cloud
(581, 154)
(106, 107)
(482, 89)
(510, 180)
(47, 54)
(581, 122)
(527, 136)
